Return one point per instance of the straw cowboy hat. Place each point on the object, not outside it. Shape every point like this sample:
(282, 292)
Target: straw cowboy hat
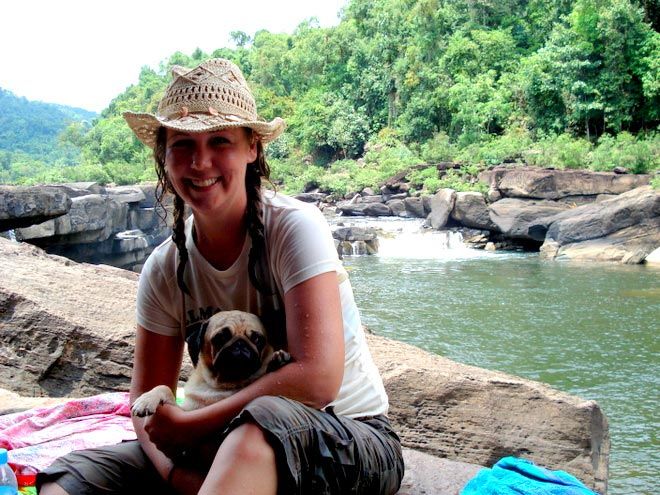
(212, 96)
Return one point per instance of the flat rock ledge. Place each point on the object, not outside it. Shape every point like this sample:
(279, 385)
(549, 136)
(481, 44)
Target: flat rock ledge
(67, 330)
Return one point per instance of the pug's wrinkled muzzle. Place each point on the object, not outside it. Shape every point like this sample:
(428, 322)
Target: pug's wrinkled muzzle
(237, 361)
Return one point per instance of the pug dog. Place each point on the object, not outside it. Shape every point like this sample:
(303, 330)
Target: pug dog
(229, 351)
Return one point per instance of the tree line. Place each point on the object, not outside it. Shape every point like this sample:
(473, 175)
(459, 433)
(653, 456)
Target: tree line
(400, 83)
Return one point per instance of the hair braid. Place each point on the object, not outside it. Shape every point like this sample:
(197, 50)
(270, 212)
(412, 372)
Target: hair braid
(255, 171)
(178, 228)
(179, 239)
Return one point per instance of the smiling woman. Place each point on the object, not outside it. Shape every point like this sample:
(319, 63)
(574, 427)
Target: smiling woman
(254, 251)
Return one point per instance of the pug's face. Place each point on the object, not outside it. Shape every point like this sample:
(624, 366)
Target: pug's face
(234, 346)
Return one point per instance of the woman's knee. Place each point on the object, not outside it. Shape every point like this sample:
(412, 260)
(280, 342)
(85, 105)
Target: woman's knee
(244, 463)
(247, 444)
(52, 489)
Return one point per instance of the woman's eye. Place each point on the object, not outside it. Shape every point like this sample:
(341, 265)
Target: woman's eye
(181, 143)
(218, 140)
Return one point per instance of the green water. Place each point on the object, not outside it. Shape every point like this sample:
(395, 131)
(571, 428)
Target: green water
(586, 329)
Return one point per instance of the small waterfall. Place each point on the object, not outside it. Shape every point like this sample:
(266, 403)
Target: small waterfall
(407, 238)
(11, 233)
(414, 242)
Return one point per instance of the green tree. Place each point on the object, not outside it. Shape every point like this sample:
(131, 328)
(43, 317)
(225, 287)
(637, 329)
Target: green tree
(559, 85)
(328, 126)
(240, 39)
(620, 42)
(267, 62)
(111, 140)
(479, 107)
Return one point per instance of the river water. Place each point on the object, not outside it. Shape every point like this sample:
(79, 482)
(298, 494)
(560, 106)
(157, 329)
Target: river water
(586, 329)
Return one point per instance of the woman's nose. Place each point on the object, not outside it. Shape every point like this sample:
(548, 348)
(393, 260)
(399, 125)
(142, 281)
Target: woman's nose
(201, 158)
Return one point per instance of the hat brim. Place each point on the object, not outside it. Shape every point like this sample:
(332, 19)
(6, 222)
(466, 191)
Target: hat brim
(145, 126)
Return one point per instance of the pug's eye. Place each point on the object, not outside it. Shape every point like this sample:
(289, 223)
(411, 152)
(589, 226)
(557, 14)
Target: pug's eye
(222, 337)
(258, 340)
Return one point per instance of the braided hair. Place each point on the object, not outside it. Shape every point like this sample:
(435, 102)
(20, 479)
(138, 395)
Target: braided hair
(256, 170)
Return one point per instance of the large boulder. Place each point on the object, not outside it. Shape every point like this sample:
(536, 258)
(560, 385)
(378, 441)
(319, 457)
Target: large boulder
(65, 328)
(25, 206)
(68, 329)
(631, 245)
(126, 194)
(471, 210)
(441, 205)
(397, 207)
(91, 218)
(532, 182)
(513, 217)
(603, 218)
(478, 416)
(100, 225)
(365, 209)
(415, 207)
(624, 228)
(311, 197)
(75, 189)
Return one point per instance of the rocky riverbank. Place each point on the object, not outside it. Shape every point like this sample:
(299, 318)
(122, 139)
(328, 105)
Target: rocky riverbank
(564, 214)
(67, 329)
(85, 222)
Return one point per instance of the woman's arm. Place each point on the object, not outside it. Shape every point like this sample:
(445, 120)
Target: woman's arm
(315, 333)
(157, 361)
(316, 344)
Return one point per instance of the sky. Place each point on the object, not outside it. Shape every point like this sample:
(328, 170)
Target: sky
(83, 53)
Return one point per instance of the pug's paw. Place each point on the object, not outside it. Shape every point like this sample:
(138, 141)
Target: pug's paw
(147, 403)
(278, 359)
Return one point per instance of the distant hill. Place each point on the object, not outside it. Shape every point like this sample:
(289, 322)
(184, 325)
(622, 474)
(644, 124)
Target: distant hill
(32, 127)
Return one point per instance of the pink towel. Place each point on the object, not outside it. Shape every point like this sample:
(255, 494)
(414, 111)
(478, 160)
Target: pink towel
(35, 438)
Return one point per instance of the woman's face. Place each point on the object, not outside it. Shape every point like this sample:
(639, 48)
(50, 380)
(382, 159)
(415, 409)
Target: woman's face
(207, 169)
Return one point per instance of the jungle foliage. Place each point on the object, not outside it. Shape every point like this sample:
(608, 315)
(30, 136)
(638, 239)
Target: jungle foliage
(32, 136)
(400, 83)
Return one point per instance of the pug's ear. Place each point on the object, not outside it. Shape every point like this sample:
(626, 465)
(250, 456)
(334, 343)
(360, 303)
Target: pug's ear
(195, 342)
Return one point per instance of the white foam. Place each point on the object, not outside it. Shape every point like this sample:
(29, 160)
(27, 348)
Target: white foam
(407, 238)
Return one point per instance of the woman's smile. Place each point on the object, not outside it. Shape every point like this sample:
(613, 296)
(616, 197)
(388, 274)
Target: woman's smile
(203, 183)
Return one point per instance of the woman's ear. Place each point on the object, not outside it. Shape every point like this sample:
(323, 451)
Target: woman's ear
(253, 139)
(253, 148)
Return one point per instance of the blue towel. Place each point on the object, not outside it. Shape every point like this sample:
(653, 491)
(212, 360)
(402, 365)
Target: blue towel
(513, 476)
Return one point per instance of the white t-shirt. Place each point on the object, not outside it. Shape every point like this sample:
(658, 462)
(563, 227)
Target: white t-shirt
(299, 246)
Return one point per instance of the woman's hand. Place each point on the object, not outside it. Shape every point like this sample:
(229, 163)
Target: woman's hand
(169, 429)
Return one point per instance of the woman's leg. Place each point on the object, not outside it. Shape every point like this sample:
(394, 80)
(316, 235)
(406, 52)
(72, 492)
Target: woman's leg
(52, 489)
(319, 452)
(245, 463)
(121, 469)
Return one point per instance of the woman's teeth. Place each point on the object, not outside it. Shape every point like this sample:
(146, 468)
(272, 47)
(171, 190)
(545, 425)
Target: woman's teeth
(204, 183)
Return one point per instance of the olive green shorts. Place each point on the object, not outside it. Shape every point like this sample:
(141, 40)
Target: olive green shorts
(317, 453)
